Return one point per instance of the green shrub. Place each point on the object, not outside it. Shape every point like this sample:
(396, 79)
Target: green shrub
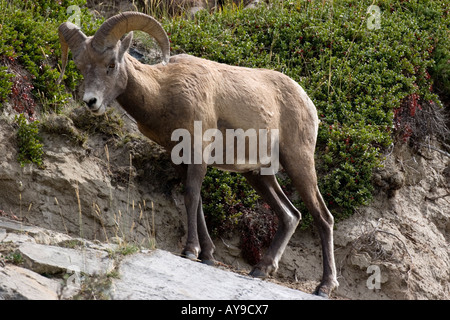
(226, 196)
(29, 37)
(257, 229)
(357, 77)
(29, 40)
(111, 124)
(28, 141)
(5, 84)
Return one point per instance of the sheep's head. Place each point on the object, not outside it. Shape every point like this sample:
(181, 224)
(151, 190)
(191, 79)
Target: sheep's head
(100, 58)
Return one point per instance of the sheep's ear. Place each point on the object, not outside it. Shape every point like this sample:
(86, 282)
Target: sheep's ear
(125, 45)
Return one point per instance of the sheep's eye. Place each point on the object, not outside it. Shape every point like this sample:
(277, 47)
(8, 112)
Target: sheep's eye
(111, 66)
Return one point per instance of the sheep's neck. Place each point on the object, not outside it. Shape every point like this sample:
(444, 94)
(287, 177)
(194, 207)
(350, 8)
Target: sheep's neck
(140, 98)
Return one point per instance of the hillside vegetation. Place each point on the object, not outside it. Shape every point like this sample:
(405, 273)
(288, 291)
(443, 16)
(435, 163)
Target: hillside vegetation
(376, 76)
(371, 74)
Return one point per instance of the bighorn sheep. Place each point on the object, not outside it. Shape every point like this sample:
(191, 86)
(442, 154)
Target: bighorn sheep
(184, 89)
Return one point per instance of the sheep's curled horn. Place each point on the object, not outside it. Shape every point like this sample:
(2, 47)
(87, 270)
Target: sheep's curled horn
(110, 33)
(69, 36)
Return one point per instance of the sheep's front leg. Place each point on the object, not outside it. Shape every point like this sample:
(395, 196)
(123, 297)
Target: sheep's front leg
(206, 244)
(193, 184)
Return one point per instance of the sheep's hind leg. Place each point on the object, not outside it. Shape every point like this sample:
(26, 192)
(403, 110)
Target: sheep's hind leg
(288, 219)
(206, 244)
(300, 168)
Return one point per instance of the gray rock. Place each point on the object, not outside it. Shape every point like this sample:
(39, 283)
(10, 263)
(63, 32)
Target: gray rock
(2, 234)
(161, 275)
(18, 232)
(16, 226)
(51, 259)
(17, 283)
(152, 275)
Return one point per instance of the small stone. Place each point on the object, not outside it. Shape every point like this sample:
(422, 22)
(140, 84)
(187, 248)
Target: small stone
(51, 259)
(17, 283)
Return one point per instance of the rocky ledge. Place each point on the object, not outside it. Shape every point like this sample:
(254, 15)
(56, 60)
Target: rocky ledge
(40, 264)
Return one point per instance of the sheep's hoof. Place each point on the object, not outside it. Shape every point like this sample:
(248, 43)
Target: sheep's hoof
(209, 262)
(258, 273)
(322, 292)
(189, 255)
